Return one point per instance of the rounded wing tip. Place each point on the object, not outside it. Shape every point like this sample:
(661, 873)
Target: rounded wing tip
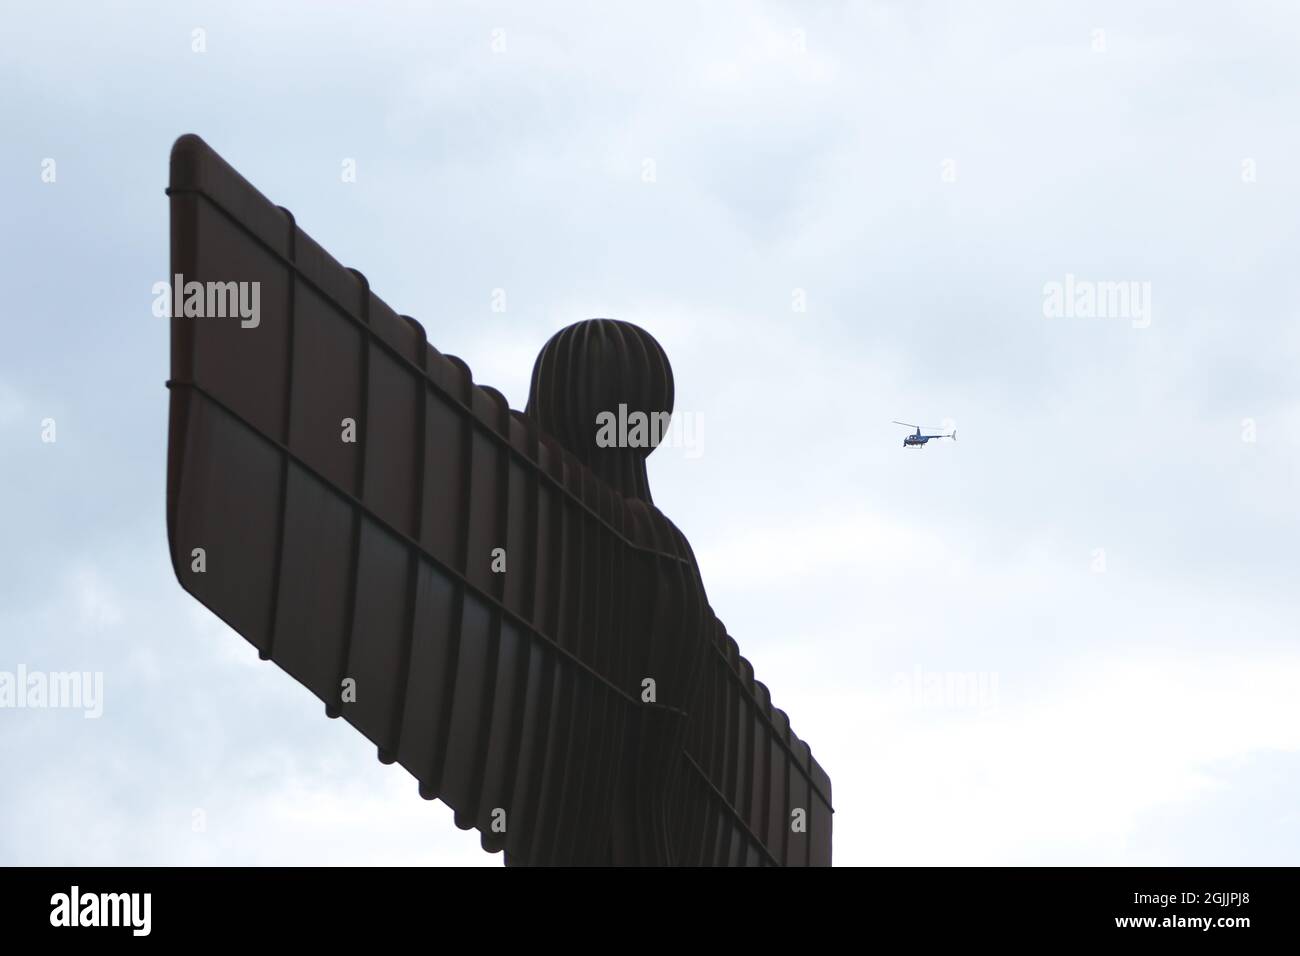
(188, 144)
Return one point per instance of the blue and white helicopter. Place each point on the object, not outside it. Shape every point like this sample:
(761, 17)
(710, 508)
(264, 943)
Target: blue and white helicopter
(918, 440)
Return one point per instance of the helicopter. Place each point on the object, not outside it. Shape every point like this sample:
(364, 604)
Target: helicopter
(918, 440)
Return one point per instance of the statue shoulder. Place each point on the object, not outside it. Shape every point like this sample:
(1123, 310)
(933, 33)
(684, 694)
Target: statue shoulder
(652, 529)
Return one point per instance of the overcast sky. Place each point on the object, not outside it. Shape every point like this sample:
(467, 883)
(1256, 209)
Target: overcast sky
(831, 216)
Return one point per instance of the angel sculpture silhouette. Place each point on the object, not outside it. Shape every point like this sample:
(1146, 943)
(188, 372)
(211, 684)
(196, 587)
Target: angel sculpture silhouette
(490, 596)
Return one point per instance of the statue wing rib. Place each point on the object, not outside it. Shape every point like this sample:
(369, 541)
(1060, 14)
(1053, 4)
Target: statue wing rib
(753, 773)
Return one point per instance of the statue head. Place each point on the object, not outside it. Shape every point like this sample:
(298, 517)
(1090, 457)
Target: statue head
(604, 390)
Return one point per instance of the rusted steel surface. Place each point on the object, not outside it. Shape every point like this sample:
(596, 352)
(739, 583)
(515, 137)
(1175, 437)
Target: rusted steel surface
(515, 697)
